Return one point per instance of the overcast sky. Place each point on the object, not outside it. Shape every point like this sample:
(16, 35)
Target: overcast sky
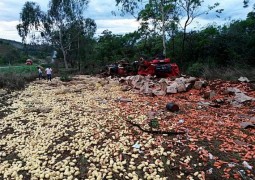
(100, 11)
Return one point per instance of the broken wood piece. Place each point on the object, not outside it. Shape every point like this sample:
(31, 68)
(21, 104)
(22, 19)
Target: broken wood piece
(169, 133)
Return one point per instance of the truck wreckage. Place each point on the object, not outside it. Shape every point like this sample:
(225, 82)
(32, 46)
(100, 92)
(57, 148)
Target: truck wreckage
(159, 67)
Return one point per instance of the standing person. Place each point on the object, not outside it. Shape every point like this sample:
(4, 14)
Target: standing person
(48, 71)
(40, 74)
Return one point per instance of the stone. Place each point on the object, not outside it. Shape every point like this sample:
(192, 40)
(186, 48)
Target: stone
(198, 85)
(172, 88)
(159, 92)
(191, 80)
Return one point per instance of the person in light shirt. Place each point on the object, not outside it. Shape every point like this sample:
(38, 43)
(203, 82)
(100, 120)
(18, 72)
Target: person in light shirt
(40, 74)
(48, 71)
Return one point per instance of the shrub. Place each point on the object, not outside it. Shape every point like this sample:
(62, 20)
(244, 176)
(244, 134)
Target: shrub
(66, 74)
(195, 69)
(65, 78)
(228, 73)
(15, 78)
(92, 69)
(70, 71)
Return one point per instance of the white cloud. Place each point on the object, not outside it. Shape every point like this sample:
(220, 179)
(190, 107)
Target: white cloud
(100, 11)
(117, 26)
(8, 30)
(10, 9)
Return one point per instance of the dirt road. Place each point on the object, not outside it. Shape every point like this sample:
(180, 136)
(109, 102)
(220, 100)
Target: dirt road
(79, 130)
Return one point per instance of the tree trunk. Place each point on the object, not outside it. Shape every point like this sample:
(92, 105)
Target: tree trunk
(64, 55)
(79, 59)
(163, 28)
(62, 48)
(183, 41)
(173, 40)
(183, 44)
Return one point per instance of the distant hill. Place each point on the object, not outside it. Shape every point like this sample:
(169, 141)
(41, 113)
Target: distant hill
(11, 52)
(16, 52)
(8, 47)
(15, 44)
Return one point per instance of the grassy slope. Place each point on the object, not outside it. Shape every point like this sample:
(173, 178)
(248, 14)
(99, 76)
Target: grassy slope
(18, 69)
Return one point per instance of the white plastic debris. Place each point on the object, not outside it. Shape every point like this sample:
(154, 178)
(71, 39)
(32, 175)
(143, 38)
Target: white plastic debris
(136, 145)
(209, 171)
(232, 164)
(181, 121)
(243, 79)
(211, 156)
(245, 164)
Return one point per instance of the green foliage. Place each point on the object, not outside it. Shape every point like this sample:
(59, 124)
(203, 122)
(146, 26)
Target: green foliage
(66, 74)
(26, 69)
(65, 78)
(228, 45)
(9, 54)
(1, 60)
(128, 6)
(195, 69)
(63, 25)
(111, 48)
(69, 71)
(154, 123)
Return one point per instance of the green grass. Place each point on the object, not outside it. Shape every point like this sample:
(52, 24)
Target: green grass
(18, 69)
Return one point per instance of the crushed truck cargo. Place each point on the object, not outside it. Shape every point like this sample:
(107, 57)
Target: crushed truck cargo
(156, 67)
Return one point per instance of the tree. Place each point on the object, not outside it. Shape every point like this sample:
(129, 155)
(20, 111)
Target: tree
(83, 47)
(161, 13)
(189, 10)
(129, 6)
(167, 13)
(56, 26)
(158, 13)
(109, 47)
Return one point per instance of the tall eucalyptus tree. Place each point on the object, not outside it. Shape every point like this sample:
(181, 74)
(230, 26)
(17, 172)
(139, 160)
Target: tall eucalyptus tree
(156, 13)
(161, 13)
(54, 26)
(188, 11)
(167, 13)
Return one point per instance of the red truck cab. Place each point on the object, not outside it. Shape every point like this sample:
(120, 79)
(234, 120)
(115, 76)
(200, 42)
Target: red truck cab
(29, 62)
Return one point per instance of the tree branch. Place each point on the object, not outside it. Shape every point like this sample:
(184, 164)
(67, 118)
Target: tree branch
(169, 133)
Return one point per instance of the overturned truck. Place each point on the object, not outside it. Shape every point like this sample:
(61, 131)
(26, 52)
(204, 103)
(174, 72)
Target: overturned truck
(156, 67)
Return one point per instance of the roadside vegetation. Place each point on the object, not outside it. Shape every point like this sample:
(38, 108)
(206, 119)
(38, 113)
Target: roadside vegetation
(16, 77)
